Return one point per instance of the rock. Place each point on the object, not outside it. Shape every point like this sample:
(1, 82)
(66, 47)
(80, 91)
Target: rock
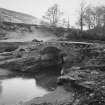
(86, 78)
(52, 57)
(51, 50)
(18, 64)
(49, 60)
(35, 40)
(51, 53)
(86, 82)
(81, 77)
(58, 97)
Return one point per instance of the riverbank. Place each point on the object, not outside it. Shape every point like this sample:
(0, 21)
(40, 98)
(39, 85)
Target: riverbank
(28, 57)
(82, 71)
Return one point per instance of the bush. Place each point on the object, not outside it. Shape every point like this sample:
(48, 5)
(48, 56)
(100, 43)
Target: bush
(94, 34)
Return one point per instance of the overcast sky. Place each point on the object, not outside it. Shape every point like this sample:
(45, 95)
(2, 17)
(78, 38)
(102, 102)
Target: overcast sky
(37, 8)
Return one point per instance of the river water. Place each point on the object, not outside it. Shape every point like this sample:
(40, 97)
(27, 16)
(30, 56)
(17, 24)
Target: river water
(19, 88)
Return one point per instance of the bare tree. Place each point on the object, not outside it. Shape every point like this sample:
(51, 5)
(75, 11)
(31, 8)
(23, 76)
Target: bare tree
(81, 16)
(53, 15)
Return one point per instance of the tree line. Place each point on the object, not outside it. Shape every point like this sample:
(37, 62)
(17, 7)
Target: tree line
(89, 16)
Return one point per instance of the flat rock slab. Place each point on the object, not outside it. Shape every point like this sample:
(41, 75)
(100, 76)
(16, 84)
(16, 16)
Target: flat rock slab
(59, 97)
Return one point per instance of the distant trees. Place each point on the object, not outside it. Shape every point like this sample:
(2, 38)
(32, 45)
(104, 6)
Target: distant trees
(100, 16)
(91, 17)
(94, 17)
(53, 15)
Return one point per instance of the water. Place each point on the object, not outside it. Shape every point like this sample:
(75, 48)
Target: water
(17, 89)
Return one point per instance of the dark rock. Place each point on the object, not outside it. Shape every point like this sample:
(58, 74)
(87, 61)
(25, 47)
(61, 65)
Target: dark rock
(82, 76)
(35, 40)
(51, 50)
(49, 60)
(88, 85)
(52, 57)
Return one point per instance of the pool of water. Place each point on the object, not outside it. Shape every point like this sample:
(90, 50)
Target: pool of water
(18, 89)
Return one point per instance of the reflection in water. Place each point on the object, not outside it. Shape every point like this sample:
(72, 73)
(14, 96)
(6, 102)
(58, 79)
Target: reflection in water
(15, 90)
(47, 81)
(16, 87)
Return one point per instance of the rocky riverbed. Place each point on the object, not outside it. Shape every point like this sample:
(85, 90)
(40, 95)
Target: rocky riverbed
(80, 70)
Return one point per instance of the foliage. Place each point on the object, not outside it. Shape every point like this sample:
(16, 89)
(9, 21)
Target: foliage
(91, 17)
(95, 16)
(96, 34)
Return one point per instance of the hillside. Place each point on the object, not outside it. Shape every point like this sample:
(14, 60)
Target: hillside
(17, 17)
(19, 32)
(19, 27)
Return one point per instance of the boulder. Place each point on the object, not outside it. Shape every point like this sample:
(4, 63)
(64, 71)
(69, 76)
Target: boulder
(88, 85)
(51, 53)
(52, 57)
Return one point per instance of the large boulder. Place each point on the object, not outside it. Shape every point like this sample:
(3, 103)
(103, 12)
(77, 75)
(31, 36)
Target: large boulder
(50, 53)
(52, 57)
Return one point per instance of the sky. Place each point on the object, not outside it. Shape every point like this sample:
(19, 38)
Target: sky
(38, 8)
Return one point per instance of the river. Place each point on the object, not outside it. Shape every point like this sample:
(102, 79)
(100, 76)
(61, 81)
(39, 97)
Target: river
(17, 88)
